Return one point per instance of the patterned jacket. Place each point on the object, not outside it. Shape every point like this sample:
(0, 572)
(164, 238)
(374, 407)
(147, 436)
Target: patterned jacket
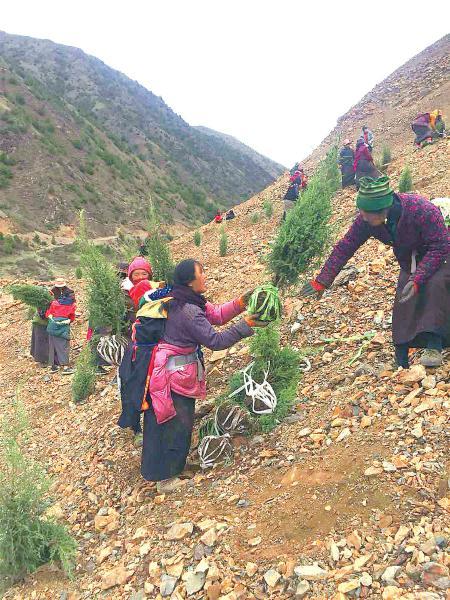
(420, 228)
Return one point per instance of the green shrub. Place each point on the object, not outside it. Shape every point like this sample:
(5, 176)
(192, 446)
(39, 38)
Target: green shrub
(79, 273)
(36, 238)
(5, 175)
(157, 248)
(197, 238)
(254, 218)
(223, 242)
(303, 236)
(8, 245)
(386, 155)
(28, 537)
(268, 208)
(83, 382)
(19, 99)
(284, 374)
(405, 183)
(104, 298)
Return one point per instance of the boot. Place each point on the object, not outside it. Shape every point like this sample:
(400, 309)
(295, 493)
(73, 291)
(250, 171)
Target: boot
(431, 358)
(166, 486)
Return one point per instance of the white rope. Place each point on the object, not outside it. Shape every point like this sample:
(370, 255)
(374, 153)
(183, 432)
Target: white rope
(233, 421)
(209, 457)
(307, 364)
(260, 393)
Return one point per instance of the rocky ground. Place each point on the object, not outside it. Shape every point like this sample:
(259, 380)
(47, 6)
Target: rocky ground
(347, 498)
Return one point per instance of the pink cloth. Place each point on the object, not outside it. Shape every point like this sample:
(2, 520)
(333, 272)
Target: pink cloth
(183, 381)
(61, 310)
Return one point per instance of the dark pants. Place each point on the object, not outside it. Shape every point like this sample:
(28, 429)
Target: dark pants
(167, 446)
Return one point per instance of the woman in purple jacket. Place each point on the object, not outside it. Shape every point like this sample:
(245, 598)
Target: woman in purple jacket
(178, 375)
(415, 229)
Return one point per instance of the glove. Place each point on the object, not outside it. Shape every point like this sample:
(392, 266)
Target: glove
(245, 298)
(253, 321)
(312, 288)
(410, 290)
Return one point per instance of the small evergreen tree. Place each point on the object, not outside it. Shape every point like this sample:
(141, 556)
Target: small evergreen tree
(105, 299)
(79, 273)
(268, 208)
(157, 248)
(197, 238)
(386, 156)
(223, 242)
(405, 183)
(303, 236)
(254, 218)
(83, 382)
(28, 537)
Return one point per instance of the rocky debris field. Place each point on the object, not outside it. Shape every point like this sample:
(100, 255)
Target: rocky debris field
(349, 497)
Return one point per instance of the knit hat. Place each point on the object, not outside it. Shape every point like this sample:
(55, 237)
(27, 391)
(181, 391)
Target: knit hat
(139, 263)
(374, 194)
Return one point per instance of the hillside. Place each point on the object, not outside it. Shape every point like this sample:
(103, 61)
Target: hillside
(349, 497)
(76, 133)
(272, 168)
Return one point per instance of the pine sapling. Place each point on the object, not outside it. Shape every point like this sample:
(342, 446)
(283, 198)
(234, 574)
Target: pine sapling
(405, 183)
(197, 238)
(223, 242)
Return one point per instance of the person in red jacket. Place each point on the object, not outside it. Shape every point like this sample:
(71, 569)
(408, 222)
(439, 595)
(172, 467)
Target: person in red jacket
(60, 314)
(218, 218)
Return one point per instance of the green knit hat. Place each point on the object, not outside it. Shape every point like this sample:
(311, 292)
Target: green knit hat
(374, 193)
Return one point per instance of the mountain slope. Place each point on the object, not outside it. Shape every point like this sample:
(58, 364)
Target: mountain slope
(268, 165)
(82, 133)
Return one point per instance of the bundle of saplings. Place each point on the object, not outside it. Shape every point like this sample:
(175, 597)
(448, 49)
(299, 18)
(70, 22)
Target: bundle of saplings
(265, 302)
(36, 296)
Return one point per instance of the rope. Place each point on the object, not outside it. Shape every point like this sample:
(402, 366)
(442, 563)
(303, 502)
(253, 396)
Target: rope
(261, 393)
(210, 456)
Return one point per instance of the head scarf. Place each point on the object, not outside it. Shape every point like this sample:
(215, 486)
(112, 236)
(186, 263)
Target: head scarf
(182, 293)
(139, 263)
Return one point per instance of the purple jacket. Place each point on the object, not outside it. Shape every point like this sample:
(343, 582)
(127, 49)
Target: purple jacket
(420, 227)
(186, 329)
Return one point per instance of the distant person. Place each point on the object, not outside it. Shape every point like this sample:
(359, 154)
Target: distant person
(218, 218)
(346, 159)
(363, 164)
(425, 132)
(368, 136)
(230, 215)
(294, 168)
(60, 315)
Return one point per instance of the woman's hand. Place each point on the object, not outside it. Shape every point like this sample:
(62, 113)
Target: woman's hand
(245, 298)
(254, 321)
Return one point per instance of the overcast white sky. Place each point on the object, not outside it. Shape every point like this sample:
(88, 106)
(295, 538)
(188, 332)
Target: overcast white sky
(275, 74)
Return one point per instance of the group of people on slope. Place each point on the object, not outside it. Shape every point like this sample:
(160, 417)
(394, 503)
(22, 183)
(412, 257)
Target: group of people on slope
(220, 216)
(50, 333)
(298, 181)
(357, 163)
(428, 127)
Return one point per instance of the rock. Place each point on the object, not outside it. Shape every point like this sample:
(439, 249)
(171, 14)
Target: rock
(179, 531)
(354, 540)
(255, 541)
(175, 570)
(209, 538)
(154, 570)
(345, 433)
(390, 574)
(103, 555)
(202, 566)
(391, 592)
(295, 327)
(361, 561)
(366, 579)
(423, 406)
(311, 572)
(272, 577)
(55, 512)
(429, 382)
(302, 589)
(140, 533)
(401, 534)
(108, 522)
(348, 586)
(412, 375)
(251, 569)
(304, 432)
(373, 471)
(327, 357)
(417, 431)
(334, 551)
(214, 591)
(366, 422)
(433, 572)
(167, 585)
(429, 547)
(194, 582)
(218, 355)
(117, 576)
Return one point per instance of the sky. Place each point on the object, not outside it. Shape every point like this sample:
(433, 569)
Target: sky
(274, 74)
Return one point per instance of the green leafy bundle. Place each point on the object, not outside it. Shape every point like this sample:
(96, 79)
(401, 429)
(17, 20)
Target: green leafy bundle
(83, 382)
(265, 302)
(36, 296)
